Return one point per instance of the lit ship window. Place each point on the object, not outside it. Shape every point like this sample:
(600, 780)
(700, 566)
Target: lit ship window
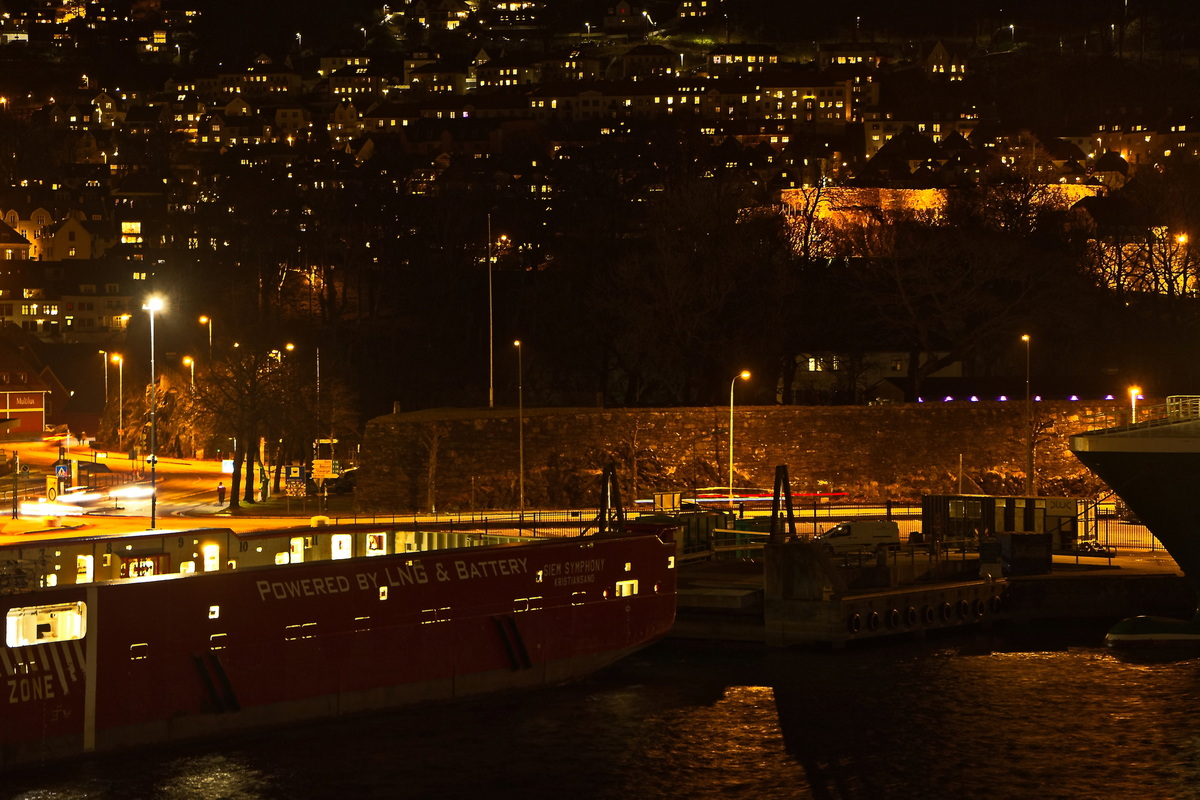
(83, 569)
(526, 603)
(342, 546)
(376, 544)
(305, 630)
(43, 624)
(626, 588)
(430, 616)
(212, 557)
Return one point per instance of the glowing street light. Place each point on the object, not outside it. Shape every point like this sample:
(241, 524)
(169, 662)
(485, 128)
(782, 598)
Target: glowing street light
(190, 363)
(520, 435)
(119, 360)
(153, 304)
(1028, 423)
(744, 375)
(208, 321)
(104, 358)
(491, 316)
(1134, 391)
(491, 323)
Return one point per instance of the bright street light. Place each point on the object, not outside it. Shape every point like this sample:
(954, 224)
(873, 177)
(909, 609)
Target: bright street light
(104, 358)
(520, 435)
(1028, 424)
(208, 321)
(190, 363)
(491, 323)
(744, 375)
(119, 360)
(153, 304)
(1134, 391)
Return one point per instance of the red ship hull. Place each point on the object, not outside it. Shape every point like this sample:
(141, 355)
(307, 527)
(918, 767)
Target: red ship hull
(176, 656)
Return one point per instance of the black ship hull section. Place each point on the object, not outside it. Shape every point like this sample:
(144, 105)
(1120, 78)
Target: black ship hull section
(1163, 491)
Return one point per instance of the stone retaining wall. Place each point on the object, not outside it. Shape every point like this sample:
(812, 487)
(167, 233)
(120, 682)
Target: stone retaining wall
(467, 459)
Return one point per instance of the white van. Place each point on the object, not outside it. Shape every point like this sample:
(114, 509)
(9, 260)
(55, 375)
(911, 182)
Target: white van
(861, 534)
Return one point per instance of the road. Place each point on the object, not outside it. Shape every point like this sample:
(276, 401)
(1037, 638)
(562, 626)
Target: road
(187, 491)
(187, 496)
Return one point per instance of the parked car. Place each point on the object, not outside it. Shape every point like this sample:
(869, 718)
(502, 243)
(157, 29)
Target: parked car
(345, 482)
(342, 483)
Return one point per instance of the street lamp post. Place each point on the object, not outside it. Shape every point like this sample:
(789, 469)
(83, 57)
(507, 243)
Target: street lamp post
(744, 375)
(119, 360)
(104, 358)
(208, 321)
(520, 436)
(190, 363)
(152, 305)
(1028, 424)
(1134, 391)
(491, 323)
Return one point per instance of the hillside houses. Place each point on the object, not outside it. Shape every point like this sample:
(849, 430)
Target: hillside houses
(130, 166)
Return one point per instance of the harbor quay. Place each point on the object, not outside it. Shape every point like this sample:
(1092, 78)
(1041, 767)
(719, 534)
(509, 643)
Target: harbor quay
(796, 593)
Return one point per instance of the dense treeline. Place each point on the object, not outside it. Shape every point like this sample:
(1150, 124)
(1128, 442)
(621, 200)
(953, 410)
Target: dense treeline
(647, 277)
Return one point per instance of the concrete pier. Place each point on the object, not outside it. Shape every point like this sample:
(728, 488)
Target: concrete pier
(796, 594)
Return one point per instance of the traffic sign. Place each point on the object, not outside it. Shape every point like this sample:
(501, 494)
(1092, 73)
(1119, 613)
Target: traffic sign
(62, 471)
(293, 472)
(322, 468)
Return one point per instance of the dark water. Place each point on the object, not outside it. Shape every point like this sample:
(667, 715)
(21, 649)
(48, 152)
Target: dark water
(1047, 714)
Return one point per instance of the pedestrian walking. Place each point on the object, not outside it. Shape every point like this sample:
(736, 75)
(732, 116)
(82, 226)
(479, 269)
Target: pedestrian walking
(221, 493)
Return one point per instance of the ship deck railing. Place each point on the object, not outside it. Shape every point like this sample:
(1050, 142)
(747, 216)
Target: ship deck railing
(1153, 420)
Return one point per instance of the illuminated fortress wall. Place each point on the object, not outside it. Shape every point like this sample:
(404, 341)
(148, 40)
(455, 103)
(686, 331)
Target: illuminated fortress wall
(846, 204)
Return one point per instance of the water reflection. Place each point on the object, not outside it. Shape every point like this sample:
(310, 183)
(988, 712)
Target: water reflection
(1037, 714)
